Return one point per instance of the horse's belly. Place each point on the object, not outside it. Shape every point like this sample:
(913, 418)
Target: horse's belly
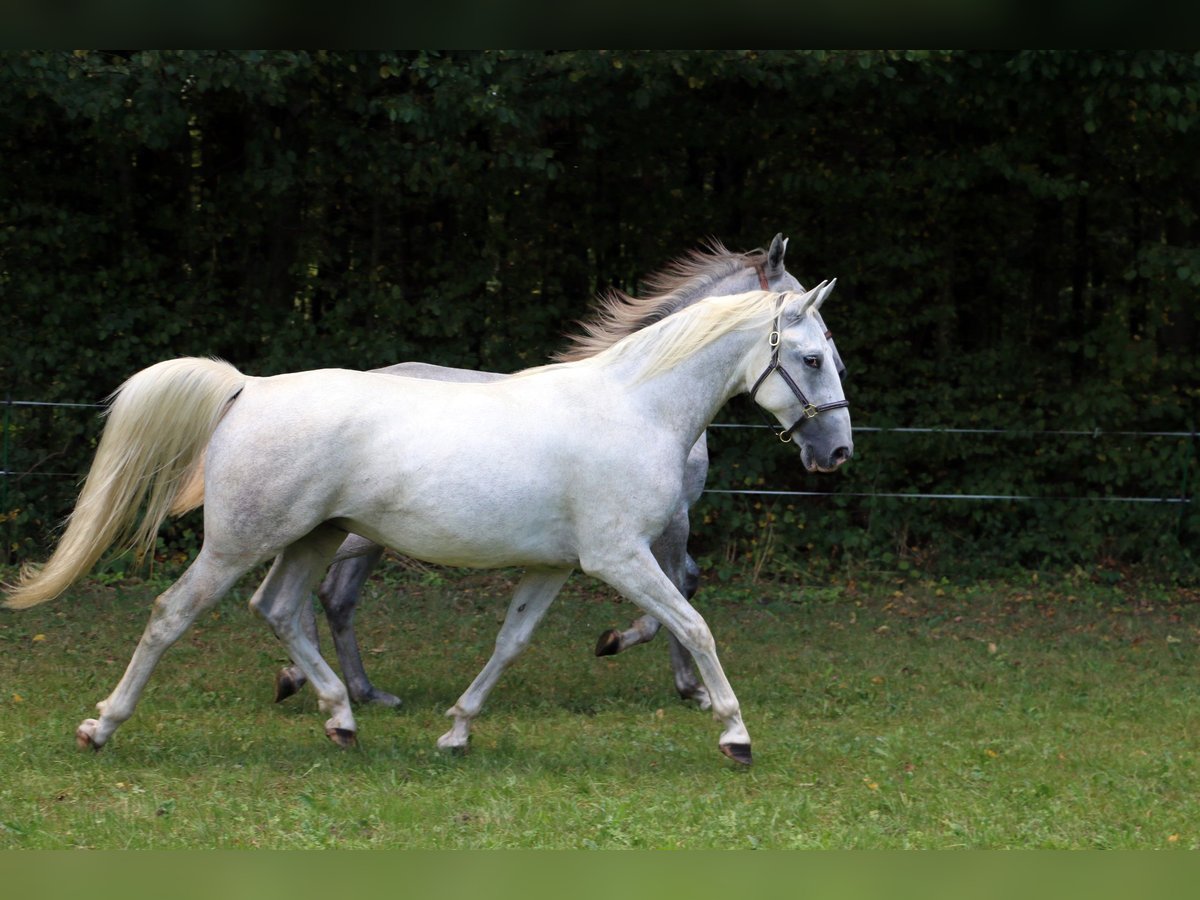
(452, 543)
(449, 527)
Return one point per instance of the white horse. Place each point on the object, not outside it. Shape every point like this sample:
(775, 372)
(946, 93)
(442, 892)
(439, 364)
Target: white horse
(569, 465)
(689, 279)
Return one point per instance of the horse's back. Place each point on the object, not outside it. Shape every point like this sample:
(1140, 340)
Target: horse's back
(430, 372)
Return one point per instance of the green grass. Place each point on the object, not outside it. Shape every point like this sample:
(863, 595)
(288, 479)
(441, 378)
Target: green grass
(892, 713)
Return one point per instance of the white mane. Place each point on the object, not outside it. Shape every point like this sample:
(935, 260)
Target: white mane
(677, 337)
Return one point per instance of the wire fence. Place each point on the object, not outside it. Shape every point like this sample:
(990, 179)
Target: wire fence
(1184, 497)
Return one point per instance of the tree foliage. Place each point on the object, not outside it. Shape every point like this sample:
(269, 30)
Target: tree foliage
(1015, 237)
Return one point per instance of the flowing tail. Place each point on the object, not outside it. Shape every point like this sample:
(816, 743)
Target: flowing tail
(148, 465)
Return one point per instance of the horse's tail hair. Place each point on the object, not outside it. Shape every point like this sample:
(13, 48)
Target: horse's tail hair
(148, 465)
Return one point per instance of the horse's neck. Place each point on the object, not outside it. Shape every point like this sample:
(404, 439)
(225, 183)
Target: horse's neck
(688, 396)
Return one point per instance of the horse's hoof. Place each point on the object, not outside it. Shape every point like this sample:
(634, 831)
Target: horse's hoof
(454, 745)
(739, 753)
(286, 685)
(609, 643)
(343, 737)
(85, 735)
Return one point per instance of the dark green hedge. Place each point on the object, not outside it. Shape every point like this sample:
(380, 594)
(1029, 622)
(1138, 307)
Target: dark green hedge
(1015, 237)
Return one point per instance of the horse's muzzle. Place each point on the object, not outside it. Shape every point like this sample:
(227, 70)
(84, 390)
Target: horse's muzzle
(814, 462)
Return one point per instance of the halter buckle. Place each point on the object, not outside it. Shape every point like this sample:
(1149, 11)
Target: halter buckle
(773, 340)
(810, 411)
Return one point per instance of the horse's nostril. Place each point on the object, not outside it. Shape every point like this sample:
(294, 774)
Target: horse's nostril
(841, 454)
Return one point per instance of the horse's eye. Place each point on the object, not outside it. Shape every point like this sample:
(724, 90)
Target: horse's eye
(813, 362)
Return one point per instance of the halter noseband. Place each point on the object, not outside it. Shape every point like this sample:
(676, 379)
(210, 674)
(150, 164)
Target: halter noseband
(810, 410)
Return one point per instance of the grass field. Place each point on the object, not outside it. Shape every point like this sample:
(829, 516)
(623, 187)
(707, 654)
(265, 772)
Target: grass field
(889, 713)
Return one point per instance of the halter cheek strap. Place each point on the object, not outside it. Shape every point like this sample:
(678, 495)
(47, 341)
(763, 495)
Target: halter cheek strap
(810, 410)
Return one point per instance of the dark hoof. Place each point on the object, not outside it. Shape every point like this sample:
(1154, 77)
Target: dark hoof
(739, 753)
(286, 685)
(343, 737)
(609, 643)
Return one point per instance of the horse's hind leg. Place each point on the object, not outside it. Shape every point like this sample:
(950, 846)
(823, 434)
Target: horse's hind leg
(532, 598)
(200, 587)
(282, 598)
(339, 593)
(291, 678)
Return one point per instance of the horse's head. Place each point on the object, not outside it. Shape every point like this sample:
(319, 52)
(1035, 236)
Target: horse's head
(800, 383)
(776, 277)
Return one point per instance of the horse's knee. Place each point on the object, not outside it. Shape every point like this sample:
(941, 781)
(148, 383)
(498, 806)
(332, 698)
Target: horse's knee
(268, 613)
(696, 637)
(510, 646)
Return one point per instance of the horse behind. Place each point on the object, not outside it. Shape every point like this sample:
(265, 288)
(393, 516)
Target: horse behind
(710, 272)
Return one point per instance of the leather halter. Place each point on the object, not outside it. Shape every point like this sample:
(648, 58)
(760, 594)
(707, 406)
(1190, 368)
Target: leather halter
(810, 410)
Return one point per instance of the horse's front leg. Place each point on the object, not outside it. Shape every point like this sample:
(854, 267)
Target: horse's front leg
(533, 596)
(687, 681)
(639, 577)
(671, 552)
(641, 631)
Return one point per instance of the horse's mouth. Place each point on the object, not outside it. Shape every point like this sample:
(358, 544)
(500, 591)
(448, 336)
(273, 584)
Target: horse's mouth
(808, 458)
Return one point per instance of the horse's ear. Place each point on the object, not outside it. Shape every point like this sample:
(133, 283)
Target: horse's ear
(775, 256)
(823, 290)
(796, 304)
